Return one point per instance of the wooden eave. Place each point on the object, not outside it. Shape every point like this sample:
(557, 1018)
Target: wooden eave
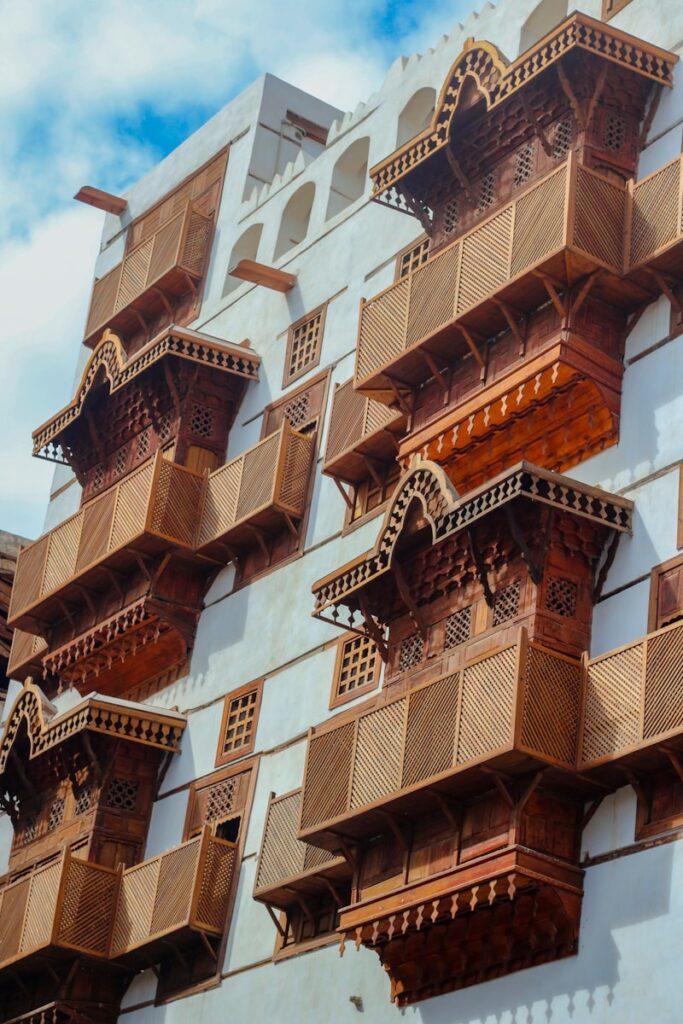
(109, 356)
(107, 716)
(449, 514)
(500, 80)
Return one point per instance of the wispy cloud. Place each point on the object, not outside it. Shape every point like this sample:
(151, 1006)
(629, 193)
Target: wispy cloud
(78, 87)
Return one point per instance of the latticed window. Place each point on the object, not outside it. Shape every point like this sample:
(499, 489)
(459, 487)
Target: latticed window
(615, 132)
(83, 800)
(451, 216)
(412, 258)
(56, 815)
(30, 830)
(458, 628)
(411, 652)
(143, 444)
(487, 192)
(98, 476)
(121, 460)
(221, 800)
(122, 794)
(562, 138)
(524, 165)
(297, 412)
(304, 342)
(561, 596)
(201, 420)
(166, 425)
(507, 603)
(356, 670)
(666, 598)
(238, 728)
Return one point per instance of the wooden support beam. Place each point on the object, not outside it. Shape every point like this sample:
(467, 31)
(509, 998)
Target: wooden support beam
(170, 312)
(373, 629)
(347, 497)
(535, 570)
(650, 115)
(23, 777)
(480, 567)
(529, 791)
(92, 758)
(451, 814)
(208, 947)
(566, 87)
(535, 124)
(551, 288)
(87, 597)
(472, 345)
(667, 284)
(459, 174)
(595, 95)
(171, 385)
(608, 552)
(347, 852)
(101, 200)
(392, 437)
(372, 469)
(400, 398)
(191, 286)
(674, 759)
(305, 908)
(436, 373)
(261, 274)
(590, 811)
(291, 525)
(499, 783)
(261, 536)
(276, 922)
(417, 209)
(511, 318)
(585, 290)
(408, 599)
(633, 780)
(395, 828)
(94, 436)
(332, 890)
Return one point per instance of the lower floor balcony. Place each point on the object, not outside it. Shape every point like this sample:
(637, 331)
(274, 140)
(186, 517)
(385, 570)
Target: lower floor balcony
(137, 916)
(508, 910)
(513, 710)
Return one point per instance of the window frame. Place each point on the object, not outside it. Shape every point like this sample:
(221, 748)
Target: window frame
(339, 700)
(656, 574)
(287, 376)
(248, 748)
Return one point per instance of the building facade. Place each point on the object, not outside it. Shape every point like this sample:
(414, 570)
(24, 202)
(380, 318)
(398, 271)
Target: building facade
(357, 622)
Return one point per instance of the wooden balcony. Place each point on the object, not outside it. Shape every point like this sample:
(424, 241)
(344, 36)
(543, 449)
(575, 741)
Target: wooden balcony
(632, 705)
(256, 494)
(656, 223)
(514, 709)
(72, 907)
(564, 227)
(25, 656)
(501, 912)
(152, 509)
(169, 263)
(362, 433)
(289, 870)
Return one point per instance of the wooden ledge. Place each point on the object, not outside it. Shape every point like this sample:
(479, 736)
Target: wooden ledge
(259, 273)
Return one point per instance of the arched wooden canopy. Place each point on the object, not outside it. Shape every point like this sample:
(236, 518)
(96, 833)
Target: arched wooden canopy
(110, 365)
(46, 728)
(482, 65)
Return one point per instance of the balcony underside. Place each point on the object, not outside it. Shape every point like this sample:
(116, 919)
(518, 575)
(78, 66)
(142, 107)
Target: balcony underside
(559, 409)
(505, 912)
(362, 434)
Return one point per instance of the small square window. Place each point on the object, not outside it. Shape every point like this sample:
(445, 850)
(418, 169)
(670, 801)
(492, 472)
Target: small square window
(238, 727)
(411, 652)
(357, 669)
(506, 603)
(304, 342)
(411, 258)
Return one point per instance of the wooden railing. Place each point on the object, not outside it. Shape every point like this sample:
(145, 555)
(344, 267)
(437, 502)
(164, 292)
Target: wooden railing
(73, 904)
(269, 479)
(656, 214)
(26, 651)
(632, 698)
(179, 247)
(573, 208)
(521, 698)
(160, 500)
(288, 868)
(359, 428)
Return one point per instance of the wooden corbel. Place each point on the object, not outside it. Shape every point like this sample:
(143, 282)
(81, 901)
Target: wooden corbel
(416, 208)
(650, 115)
(479, 565)
(396, 829)
(512, 318)
(23, 777)
(667, 284)
(332, 890)
(87, 597)
(305, 908)
(208, 947)
(164, 299)
(115, 579)
(436, 373)
(608, 552)
(171, 384)
(408, 599)
(535, 124)
(566, 87)
(552, 287)
(191, 286)
(400, 396)
(347, 853)
(374, 631)
(369, 464)
(634, 781)
(141, 320)
(499, 783)
(472, 345)
(529, 791)
(459, 174)
(347, 497)
(291, 526)
(534, 566)
(451, 813)
(261, 540)
(674, 759)
(281, 931)
(590, 811)
(94, 437)
(595, 96)
(92, 759)
(176, 953)
(585, 290)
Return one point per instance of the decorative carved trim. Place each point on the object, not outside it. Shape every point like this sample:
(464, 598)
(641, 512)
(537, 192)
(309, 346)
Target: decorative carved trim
(110, 357)
(498, 80)
(116, 718)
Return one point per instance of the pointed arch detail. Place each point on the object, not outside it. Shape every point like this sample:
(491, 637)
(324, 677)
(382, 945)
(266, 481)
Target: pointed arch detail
(29, 708)
(427, 483)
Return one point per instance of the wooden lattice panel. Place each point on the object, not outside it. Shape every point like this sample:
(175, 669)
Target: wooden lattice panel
(282, 854)
(135, 906)
(488, 691)
(40, 907)
(177, 497)
(664, 684)
(258, 476)
(12, 910)
(600, 215)
(382, 328)
(550, 715)
(96, 529)
(87, 906)
(215, 885)
(346, 420)
(377, 761)
(656, 213)
(539, 222)
(328, 767)
(430, 735)
(173, 896)
(220, 502)
(485, 263)
(612, 702)
(432, 288)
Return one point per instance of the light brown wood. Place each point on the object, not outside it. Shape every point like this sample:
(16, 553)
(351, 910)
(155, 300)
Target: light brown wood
(259, 273)
(101, 200)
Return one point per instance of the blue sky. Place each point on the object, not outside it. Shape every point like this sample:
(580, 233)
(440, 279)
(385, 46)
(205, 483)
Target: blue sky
(96, 94)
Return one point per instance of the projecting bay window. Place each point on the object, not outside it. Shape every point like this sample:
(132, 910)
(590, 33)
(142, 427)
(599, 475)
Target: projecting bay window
(666, 593)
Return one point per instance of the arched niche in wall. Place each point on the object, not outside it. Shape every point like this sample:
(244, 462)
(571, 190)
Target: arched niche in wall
(545, 16)
(245, 248)
(416, 115)
(295, 219)
(349, 177)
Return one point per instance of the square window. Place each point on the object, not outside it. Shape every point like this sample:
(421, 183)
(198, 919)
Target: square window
(411, 652)
(304, 342)
(410, 259)
(356, 670)
(238, 726)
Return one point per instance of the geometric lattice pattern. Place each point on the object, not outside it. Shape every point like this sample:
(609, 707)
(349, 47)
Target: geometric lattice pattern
(524, 165)
(451, 216)
(378, 754)
(357, 666)
(296, 412)
(612, 703)
(458, 628)
(430, 736)
(487, 192)
(56, 814)
(561, 596)
(562, 140)
(84, 799)
(411, 652)
(664, 683)
(122, 794)
(488, 690)
(221, 799)
(615, 132)
(550, 717)
(303, 345)
(201, 421)
(506, 603)
(413, 258)
(240, 722)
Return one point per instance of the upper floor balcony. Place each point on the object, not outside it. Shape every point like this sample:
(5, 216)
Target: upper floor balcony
(363, 435)
(656, 226)
(151, 510)
(568, 226)
(289, 870)
(514, 710)
(167, 264)
(254, 495)
(133, 916)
